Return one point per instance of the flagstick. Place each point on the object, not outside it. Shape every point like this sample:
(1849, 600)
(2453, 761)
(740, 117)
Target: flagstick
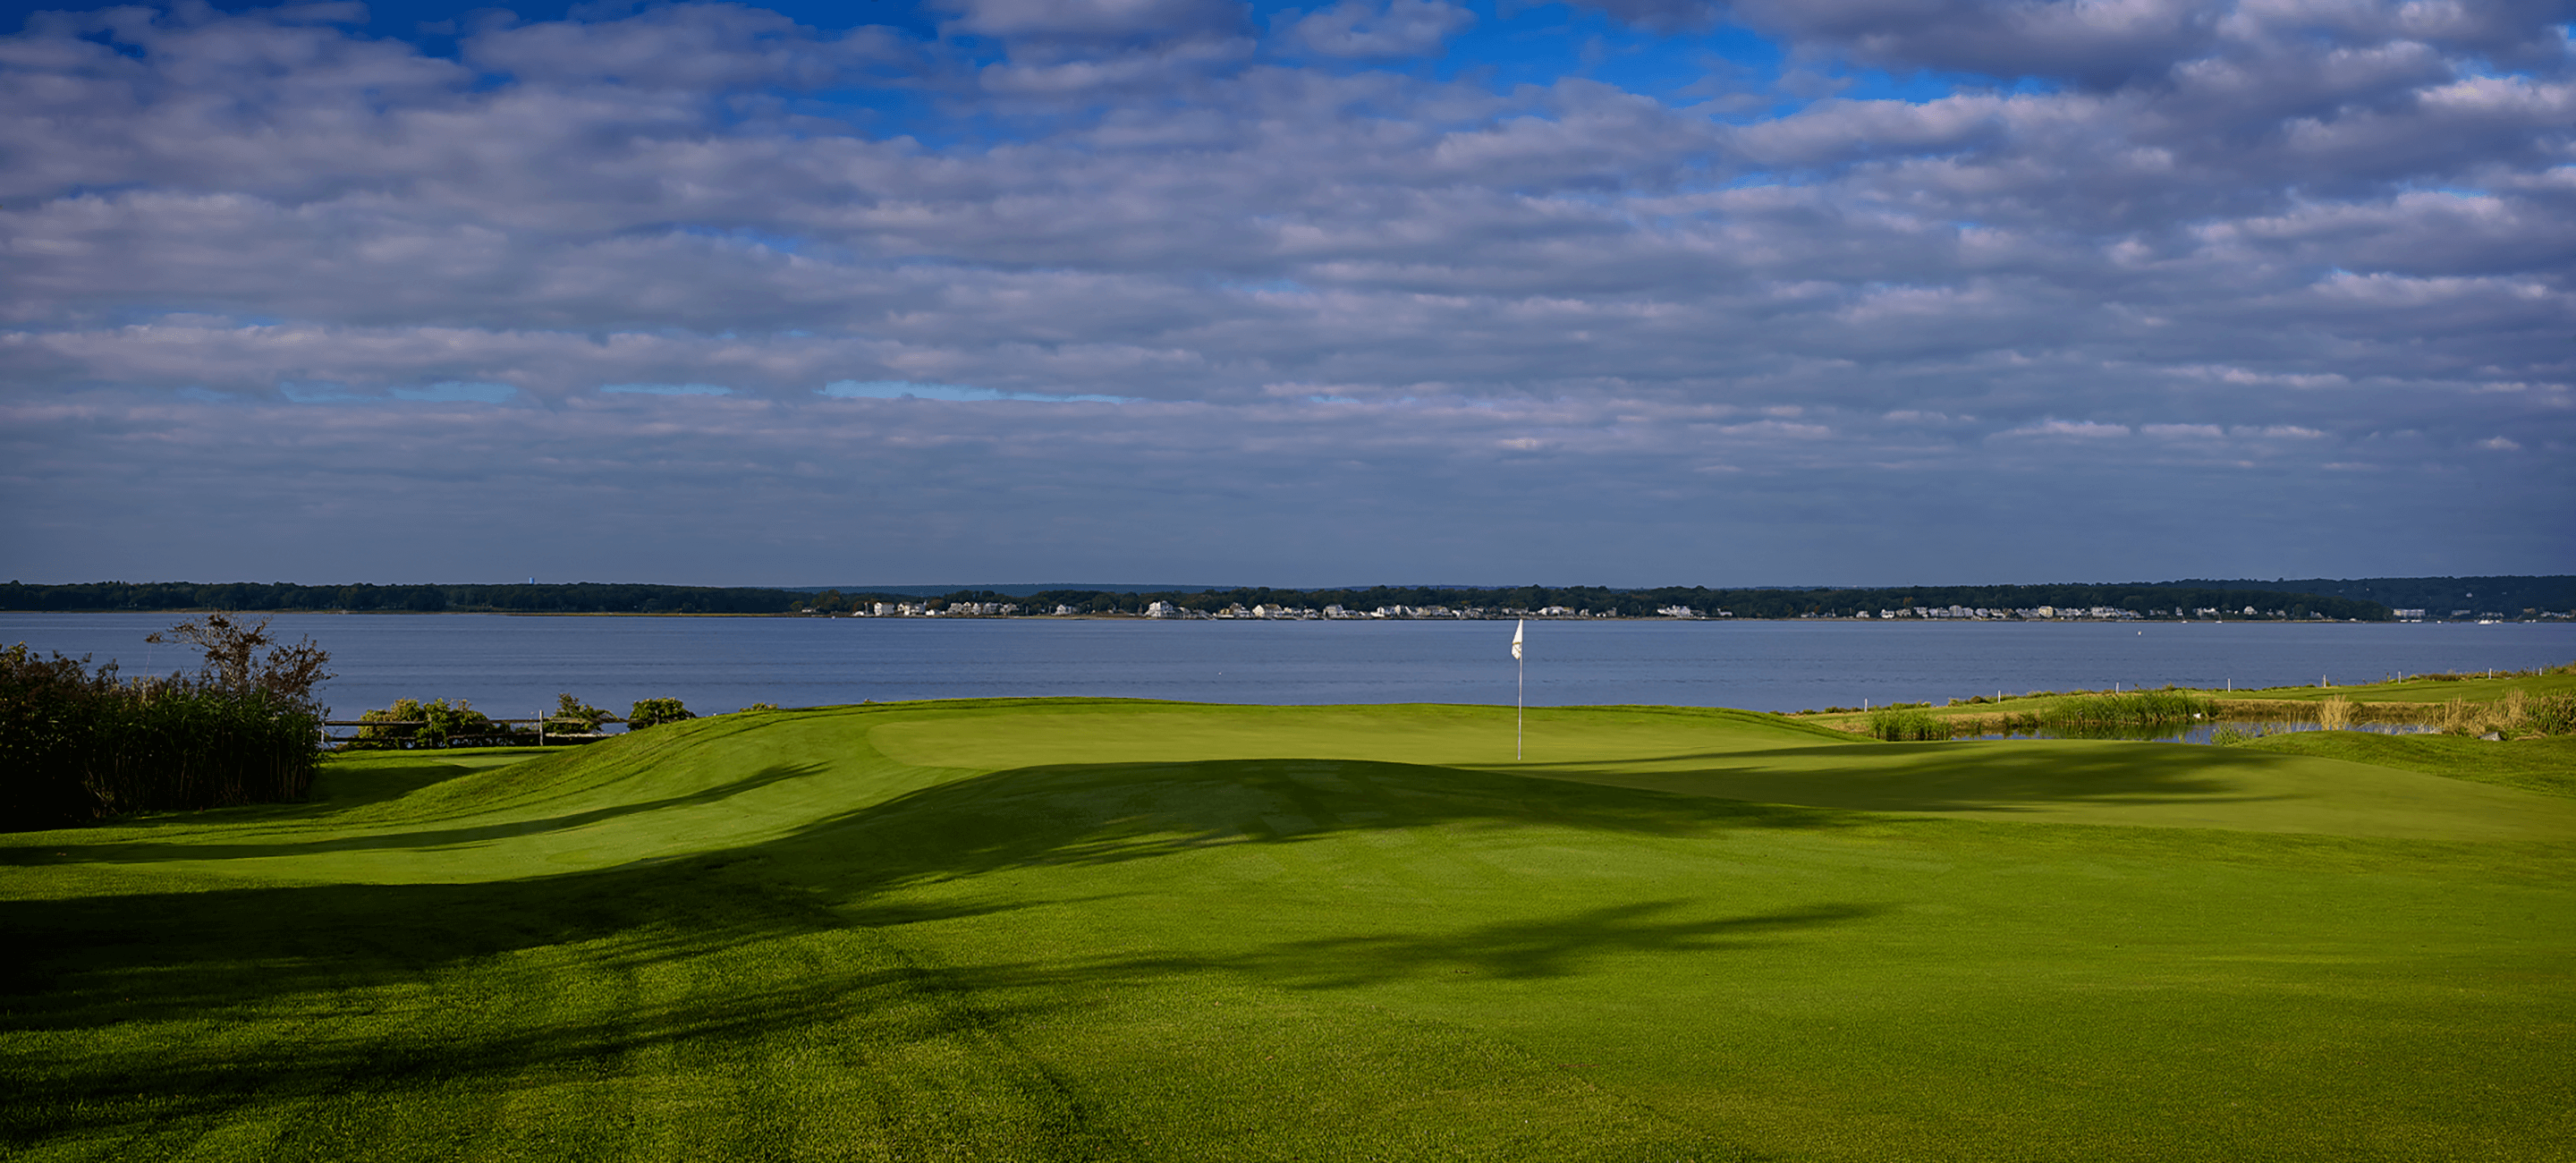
(1520, 688)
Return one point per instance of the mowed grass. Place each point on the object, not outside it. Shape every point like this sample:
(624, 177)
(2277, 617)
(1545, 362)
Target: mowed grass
(2558, 681)
(1111, 930)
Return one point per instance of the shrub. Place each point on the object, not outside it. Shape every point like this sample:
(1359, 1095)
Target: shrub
(655, 712)
(399, 729)
(413, 723)
(233, 657)
(2231, 735)
(574, 717)
(453, 726)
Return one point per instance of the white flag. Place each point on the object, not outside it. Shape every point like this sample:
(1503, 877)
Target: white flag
(1516, 636)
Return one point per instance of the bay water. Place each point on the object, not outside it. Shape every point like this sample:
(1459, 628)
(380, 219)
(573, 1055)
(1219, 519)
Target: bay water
(512, 666)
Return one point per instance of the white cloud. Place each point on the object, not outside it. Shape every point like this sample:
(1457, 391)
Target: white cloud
(1379, 28)
(2303, 226)
(2075, 429)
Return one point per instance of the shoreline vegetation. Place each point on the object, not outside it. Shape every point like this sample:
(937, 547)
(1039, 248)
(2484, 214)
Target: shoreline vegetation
(2470, 599)
(2501, 703)
(79, 745)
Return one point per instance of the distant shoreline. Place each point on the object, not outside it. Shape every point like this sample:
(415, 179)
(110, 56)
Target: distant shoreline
(2368, 600)
(1651, 619)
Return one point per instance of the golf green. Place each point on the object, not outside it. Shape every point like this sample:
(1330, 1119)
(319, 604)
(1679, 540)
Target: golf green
(1118, 930)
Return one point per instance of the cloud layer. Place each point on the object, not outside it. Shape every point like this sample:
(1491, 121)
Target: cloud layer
(1935, 291)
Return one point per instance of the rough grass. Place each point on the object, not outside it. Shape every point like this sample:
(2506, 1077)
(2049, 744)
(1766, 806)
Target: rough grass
(1147, 931)
(2452, 701)
(2474, 687)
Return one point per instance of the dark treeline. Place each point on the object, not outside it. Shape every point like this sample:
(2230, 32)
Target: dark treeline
(1761, 603)
(572, 598)
(603, 598)
(2508, 596)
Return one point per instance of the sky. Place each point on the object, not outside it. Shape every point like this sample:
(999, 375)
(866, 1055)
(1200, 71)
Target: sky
(1620, 292)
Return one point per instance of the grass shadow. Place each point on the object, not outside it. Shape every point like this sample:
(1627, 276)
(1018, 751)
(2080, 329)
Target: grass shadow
(147, 852)
(1529, 948)
(1095, 813)
(1938, 776)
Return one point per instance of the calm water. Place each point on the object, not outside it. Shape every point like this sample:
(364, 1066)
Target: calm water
(514, 666)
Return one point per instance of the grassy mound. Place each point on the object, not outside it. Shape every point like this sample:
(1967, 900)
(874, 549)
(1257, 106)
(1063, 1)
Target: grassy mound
(2541, 765)
(1110, 930)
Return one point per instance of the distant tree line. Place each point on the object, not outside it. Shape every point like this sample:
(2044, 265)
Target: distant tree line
(2510, 596)
(569, 598)
(606, 598)
(1741, 603)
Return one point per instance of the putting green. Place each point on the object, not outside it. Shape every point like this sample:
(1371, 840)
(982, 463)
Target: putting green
(1733, 755)
(1106, 930)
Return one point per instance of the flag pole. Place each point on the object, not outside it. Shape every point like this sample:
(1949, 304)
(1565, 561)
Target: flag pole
(1520, 689)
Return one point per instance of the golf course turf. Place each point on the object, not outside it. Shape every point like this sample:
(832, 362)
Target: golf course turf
(1079, 929)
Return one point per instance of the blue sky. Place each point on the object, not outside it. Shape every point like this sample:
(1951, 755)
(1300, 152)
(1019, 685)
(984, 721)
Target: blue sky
(1623, 292)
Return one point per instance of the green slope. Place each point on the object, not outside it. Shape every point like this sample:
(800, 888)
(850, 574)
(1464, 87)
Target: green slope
(2542, 765)
(1154, 931)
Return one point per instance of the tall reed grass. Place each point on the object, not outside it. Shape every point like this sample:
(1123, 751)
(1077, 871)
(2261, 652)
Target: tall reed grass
(2515, 715)
(1906, 724)
(2129, 709)
(78, 744)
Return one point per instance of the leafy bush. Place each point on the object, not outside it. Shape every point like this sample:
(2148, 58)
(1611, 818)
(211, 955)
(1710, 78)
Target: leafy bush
(574, 717)
(460, 724)
(2231, 735)
(413, 723)
(655, 712)
(400, 726)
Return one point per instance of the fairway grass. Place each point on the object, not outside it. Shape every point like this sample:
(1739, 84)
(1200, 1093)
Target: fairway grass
(1076, 929)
